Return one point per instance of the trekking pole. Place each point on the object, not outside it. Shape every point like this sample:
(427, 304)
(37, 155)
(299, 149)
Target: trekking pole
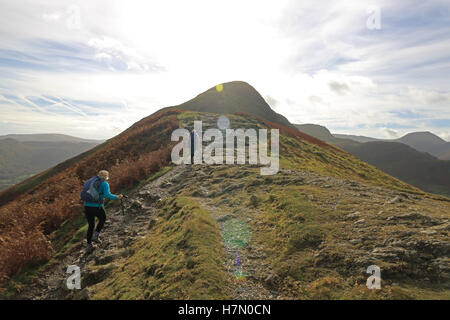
(121, 204)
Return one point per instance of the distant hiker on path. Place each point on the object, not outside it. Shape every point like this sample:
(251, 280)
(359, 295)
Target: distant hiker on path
(94, 192)
(193, 137)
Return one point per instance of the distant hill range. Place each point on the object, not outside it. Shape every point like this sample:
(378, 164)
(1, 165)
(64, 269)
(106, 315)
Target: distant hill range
(411, 158)
(22, 155)
(421, 141)
(47, 137)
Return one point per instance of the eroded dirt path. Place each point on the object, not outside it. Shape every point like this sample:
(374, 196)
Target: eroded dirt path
(245, 258)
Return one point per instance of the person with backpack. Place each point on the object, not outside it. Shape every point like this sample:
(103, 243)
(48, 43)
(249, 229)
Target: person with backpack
(94, 192)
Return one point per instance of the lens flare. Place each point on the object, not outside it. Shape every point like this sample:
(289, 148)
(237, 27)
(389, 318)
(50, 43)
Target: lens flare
(219, 87)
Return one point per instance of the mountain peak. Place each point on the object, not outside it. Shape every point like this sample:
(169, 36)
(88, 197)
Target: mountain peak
(421, 137)
(231, 97)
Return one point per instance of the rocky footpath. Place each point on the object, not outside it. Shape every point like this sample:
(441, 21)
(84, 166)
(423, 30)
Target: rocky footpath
(120, 231)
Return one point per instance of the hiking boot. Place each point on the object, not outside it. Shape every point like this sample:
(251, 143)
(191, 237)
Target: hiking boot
(95, 236)
(89, 248)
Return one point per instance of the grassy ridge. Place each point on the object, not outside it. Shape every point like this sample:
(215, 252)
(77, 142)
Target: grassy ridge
(181, 256)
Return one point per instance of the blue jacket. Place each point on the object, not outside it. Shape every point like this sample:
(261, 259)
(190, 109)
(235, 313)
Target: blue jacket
(104, 193)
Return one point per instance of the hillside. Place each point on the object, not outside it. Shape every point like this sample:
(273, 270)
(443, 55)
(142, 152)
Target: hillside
(308, 232)
(41, 203)
(24, 155)
(417, 168)
(356, 138)
(394, 157)
(231, 97)
(315, 130)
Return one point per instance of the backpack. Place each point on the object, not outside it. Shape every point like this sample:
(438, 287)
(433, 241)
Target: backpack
(90, 192)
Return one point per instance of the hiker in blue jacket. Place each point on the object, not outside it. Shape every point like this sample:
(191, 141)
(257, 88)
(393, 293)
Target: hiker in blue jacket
(96, 209)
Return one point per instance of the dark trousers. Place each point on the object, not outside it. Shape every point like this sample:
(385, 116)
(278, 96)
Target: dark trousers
(192, 150)
(91, 213)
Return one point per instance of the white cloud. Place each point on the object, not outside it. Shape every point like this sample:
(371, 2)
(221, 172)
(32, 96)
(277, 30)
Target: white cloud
(338, 87)
(109, 49)
(445, 135)
(316, 60)
(49, 17)
(390, 133)
(428, 97)
(102, 56)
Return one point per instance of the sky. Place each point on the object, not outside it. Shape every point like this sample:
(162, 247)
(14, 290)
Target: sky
(93, 68)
